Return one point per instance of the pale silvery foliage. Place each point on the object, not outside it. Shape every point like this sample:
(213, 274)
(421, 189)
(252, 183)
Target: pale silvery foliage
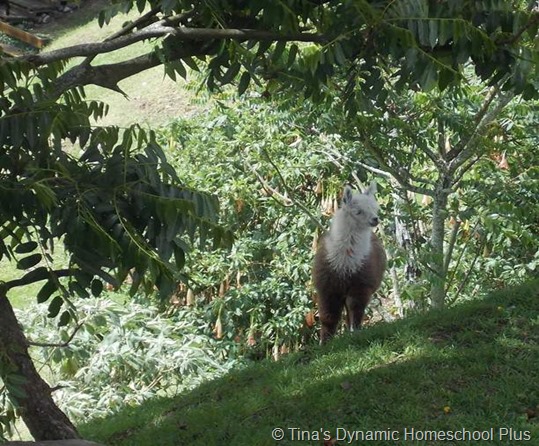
(121, 356)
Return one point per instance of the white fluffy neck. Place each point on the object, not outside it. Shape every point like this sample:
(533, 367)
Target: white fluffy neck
(347, 247)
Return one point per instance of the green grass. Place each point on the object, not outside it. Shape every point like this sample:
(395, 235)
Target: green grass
(475, 366)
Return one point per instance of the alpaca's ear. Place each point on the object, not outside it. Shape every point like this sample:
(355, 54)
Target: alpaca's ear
(347, 195)
(371, 190)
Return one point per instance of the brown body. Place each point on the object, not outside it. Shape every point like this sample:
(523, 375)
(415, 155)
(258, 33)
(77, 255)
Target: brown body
(353, 290)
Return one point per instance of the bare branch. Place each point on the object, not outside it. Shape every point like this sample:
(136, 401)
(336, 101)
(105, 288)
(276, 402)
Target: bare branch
(451, 246)
(109, 75)
(380, 172)
(285, 201)
(400, 175)
(106, 76)
(58, 345)
(438, 162)
(465, 168)
(141, 22)
(468, 148)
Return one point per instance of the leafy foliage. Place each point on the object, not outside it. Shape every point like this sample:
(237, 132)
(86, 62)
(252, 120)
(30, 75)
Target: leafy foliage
(116, 205)
(417, 43)
(279, 171)
(120, 355)
(307, 45)
(107, 196)
(271, 170)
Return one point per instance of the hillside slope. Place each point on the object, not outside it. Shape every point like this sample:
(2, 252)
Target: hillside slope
(465, 373)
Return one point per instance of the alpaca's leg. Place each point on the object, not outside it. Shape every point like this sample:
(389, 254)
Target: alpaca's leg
(355, 308)
(330, 309)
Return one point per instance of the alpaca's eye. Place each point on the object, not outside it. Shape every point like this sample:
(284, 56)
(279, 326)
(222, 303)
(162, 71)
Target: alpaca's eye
(358, 212)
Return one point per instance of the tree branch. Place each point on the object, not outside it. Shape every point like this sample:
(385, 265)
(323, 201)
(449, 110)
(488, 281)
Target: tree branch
(467, 148)
(59, 345)
(438, 162)
(106, 76)
(109, 75)
(163, 29)
(286, 201)
(465, 168)
(36, 275)
(531, 23)
(451, 246)
(399, 174)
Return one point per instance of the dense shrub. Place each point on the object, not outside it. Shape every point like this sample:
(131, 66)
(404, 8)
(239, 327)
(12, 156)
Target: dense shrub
(278, 171)
(121, 354)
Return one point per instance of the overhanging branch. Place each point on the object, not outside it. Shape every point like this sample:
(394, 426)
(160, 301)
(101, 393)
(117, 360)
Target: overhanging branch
(162, 29)
(36, 276)
(109, 75)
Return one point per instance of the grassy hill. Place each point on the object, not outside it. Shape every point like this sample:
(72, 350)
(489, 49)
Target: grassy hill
(466, 372)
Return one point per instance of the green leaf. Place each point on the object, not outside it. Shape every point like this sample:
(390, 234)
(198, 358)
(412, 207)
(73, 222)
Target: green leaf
(54, 306)
(244, 82)
(29, 262)
(65, 317)
(190, 62)
(46, 291)
(180, 69)
(423, 32)
(445, 77)
(231, 73)
(292, 53)
(77, 288)
(278, 51)
(141, 4)
(96, 287)
(428, 78)
(433, 33)
(339, 54)
(25, 248)
(179, 257)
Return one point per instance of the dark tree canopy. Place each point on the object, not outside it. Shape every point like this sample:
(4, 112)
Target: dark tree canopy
(415, 43)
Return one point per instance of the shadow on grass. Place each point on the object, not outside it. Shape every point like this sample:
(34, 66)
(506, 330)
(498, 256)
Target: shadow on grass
(64, 22)
(471, 369)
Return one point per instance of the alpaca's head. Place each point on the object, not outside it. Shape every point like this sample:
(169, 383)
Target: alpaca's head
(361, 209)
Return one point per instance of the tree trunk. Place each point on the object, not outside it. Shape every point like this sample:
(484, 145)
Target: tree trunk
(42, 416)
(437, 271)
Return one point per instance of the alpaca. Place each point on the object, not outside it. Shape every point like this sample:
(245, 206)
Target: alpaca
(349, 263)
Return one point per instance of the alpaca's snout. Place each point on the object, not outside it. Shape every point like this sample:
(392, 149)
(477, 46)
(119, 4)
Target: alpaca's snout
(374, 221)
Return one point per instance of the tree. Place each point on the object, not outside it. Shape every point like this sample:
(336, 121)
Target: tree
(118, 207)
(428, 41)
(426, 143)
